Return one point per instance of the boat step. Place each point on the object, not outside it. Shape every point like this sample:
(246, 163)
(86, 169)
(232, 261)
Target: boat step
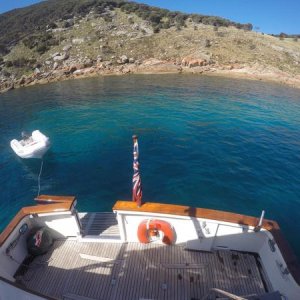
(99, 239)
(98, 224)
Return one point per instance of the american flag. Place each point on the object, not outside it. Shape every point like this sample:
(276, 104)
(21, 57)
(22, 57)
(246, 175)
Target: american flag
(136, 180)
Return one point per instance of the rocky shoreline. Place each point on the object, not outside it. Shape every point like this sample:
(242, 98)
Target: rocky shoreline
(116, 40)
(124, 66)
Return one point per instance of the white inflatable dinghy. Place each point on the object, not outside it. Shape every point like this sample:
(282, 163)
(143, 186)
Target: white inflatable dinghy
(34, 146)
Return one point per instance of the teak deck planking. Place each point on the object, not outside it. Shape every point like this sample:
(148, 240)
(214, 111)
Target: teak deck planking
(140, 271)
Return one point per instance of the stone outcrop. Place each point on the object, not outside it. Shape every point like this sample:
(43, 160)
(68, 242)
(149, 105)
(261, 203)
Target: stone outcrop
(67, 48)
(193, 62)
(61, 57)
(78, 41)
(124, 59)
(152, 65)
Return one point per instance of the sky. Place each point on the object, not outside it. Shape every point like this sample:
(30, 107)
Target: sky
(268, 16)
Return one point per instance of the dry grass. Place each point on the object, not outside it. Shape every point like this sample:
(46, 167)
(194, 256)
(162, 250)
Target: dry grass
(225, 46)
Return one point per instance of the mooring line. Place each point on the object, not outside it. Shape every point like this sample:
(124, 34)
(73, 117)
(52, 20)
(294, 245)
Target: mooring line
(39, 178)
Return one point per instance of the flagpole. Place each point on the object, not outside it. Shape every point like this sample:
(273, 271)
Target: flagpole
(136, 179)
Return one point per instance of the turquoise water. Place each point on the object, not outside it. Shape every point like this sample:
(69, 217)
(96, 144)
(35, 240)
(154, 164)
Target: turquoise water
(218, 143)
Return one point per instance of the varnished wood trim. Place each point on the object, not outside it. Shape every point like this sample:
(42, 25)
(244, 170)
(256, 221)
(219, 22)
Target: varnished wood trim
(65, 204)
(53, 199)
(290, 258)
(188, 211)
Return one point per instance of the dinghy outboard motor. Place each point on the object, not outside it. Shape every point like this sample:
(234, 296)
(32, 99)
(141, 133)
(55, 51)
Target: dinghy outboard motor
(25, 135)
(39, 241)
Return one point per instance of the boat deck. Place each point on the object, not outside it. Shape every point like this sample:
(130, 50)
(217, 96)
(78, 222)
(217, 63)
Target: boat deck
(102, 225)
(74, 270)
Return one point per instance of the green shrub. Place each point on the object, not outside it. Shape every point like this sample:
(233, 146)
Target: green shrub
(130, 21)
(67, 24)
(40, 42)
(248, 27)
(166, 25)
(42, 48)
(8, 64)
(3, 49)
(178, 27)
(282, 36)
(29, 43)
(24, 23)
(156, 29)
(154, 18)
(207, 43)
(6, 73)
(107, 18)
(180, 20)
(20, 62)
(51, 25)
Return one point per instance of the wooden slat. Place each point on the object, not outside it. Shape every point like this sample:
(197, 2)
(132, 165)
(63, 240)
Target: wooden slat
(103, 225)
(139, 271)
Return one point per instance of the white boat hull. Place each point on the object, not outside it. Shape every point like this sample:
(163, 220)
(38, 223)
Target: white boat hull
(195, 229)
(34, 147)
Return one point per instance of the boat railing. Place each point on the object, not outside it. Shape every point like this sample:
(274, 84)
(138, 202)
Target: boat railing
(277, 239)
(54, 204)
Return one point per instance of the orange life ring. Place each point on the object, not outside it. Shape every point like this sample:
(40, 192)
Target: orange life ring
(152, 228)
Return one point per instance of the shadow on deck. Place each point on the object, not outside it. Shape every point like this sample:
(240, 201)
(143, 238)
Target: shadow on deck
(99, 225)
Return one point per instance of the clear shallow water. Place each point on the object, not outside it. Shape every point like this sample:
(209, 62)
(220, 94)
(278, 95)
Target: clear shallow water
(218, 143)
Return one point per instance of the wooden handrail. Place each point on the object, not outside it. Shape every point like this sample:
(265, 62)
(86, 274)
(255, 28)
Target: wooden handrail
(54, 199)
(59, 203)
(188, 211)
(290, 258)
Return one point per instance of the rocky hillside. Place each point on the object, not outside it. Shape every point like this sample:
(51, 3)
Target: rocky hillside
(55, 40)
